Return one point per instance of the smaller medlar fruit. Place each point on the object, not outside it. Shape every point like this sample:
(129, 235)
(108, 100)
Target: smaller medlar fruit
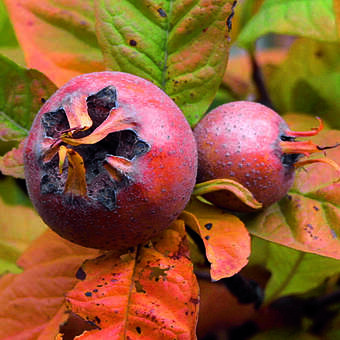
(110, 160)
(251, 144)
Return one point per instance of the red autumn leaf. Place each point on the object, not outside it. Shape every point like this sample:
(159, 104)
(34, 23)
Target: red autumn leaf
(12, 163)
(32, 302)
(151, 293)
(226, 240)
(58, 38)
(308, 219)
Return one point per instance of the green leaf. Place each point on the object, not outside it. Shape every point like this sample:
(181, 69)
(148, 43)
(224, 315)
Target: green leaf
(295, 272)
(181, 46)
(305, 18)
(311, 83)
(21, 91)
(8, 42)
(19, 224)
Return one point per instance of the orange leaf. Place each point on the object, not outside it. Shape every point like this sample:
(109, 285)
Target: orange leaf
(149, 293)
(31, 303)
(12, 163)
(226, 240)
(58, 38)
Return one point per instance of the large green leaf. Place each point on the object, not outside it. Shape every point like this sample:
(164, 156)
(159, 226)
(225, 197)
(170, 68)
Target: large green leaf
(295, 272)
(305, 18)
(311, 75)
(21, 92)
(57, 36)
(181, 46)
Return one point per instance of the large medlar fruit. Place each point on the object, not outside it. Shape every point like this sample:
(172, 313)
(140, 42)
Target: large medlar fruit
(110, 160)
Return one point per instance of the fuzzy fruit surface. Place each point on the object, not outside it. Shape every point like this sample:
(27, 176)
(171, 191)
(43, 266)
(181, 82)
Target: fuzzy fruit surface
(110, 161)
(241, 141)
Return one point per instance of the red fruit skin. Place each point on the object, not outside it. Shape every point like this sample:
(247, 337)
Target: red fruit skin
(159, 183)
(240, 141)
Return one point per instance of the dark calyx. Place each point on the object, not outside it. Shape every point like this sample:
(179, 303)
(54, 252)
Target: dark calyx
(101, 187)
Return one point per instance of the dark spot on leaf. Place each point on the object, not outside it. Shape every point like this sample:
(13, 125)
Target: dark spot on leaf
(133, 42)
(80, 274)
(162, 12)
(43, 100)
(89, 294)
(139, 330)
(230, 17)
(194, 301)
(316, 208)
(208, 226)
(334, 235)
(157, 272)
(139, 287)
(319, 53)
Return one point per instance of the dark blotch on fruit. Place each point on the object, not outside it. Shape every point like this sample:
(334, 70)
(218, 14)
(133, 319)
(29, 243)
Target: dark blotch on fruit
(208, 226)
(54, 123)
(100, 104)
(139, 330)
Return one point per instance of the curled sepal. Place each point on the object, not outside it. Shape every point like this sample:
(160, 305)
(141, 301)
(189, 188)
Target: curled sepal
(226, 240)
(241, 192)
(319, 160)
(50, 148)
(310, 133)
(76, 177)
(118, 167)
(62, 157)
(116, 121)
(75, 107)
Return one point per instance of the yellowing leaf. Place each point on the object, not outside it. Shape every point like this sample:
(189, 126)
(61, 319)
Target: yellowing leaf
(58, 38)
(12, 163)
(311, 74)
(19, 225)
(314, 19)
(226, 240)
(241, 192)
(32, 302)
(150, 293)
